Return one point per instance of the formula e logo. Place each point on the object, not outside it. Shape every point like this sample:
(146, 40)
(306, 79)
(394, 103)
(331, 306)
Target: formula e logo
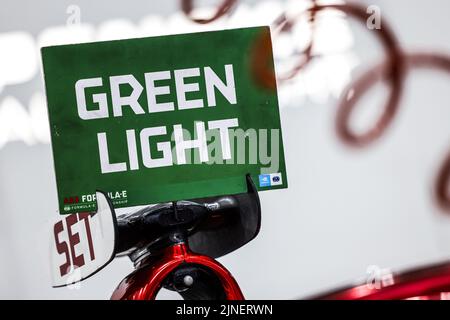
(268, 180)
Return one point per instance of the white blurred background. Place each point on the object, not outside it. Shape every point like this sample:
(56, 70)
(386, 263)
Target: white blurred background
(345, 209)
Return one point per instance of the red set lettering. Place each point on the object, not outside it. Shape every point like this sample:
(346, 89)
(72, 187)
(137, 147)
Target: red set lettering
(68, 249)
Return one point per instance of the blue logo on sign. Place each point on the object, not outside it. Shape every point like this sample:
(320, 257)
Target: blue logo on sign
(264, 180)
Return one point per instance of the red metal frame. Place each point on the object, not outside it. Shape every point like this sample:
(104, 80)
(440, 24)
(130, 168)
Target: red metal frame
(146, 281)
(430, 283)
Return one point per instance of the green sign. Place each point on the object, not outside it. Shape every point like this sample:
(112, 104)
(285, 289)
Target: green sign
(161, 119)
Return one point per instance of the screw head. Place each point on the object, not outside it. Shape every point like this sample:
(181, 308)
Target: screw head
(188, 280)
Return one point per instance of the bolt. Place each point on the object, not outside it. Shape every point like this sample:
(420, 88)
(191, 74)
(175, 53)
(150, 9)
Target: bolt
(188, 280)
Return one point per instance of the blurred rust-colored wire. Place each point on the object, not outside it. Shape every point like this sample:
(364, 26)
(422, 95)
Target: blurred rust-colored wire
(394, 76)
(222, 9)
(261, 53)
(412, 60)
(393, 71)
(442, 184)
